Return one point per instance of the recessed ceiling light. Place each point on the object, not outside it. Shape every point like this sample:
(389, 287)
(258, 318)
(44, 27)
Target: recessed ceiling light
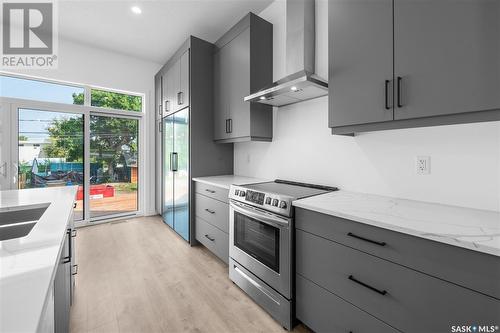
(262, 98)
(136, 10)
(294, 88)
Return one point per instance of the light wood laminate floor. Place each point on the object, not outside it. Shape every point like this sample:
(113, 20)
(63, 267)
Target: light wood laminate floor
(137, 275)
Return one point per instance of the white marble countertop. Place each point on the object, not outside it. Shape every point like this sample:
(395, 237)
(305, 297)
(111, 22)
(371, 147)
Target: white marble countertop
(28, 264)
(226, 180)
(469, 228)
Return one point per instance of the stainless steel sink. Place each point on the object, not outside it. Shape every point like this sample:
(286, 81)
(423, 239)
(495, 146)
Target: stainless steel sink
(18, 221)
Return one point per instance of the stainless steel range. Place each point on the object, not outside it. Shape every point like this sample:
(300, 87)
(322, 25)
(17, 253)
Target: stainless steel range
(261, 242)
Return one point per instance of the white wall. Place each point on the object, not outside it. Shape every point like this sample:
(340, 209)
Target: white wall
(85, 64)
(465, 159)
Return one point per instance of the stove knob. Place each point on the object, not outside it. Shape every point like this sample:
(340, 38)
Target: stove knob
(268, 201)
(237, 192)
(275, 202)
(283, 204)
(242, 193)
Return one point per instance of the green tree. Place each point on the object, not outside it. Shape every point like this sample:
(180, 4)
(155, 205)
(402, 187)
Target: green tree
(23, 138)
(112, 139)
(108, 99)
(66, 139)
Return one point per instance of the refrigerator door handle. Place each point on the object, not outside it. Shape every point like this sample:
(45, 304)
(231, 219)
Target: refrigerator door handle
(175, 162)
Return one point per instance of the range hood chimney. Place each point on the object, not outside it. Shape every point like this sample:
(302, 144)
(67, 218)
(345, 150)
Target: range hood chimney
(301, 83)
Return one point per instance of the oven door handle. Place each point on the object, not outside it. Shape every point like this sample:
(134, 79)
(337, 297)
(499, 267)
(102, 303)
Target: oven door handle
(267, 219)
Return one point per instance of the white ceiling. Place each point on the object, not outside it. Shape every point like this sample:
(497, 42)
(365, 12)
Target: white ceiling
(155, 34)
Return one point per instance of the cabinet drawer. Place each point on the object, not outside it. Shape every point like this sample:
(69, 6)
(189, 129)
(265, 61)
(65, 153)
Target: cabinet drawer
(475, 270)
(213, 211)
(324, 312)
(405, 299)
(214, 239)
(211, 191)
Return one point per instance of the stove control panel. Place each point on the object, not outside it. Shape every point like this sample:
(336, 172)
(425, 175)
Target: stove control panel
(255, 197)
(269, 201)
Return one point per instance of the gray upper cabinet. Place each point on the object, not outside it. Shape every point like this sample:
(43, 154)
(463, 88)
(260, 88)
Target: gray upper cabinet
(242, 65)
(447, 56)
(238, 63)
(158, 95)
(183, 91)
(361, 71)
(406, 63)
(176, 85)
(221, 88)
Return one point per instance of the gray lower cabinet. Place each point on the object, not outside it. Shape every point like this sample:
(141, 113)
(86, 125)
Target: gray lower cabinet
(323, 311)
(406, 63)
(212, 219)
(213, 239)
(339, 274)
(480, 273)
(213, 211)
(63, 287)
(214, 192)
(242, 65)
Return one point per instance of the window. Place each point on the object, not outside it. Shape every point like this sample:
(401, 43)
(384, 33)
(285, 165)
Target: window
(40, 90)
(114, 100)
(75, 135)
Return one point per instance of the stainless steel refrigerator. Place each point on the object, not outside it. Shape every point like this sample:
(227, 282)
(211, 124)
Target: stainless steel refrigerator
(175, 175)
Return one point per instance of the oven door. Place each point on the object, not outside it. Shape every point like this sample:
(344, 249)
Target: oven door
(261, 242)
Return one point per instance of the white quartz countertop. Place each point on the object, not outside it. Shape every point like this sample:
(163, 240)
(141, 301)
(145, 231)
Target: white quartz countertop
(28, 264)
(226, 180)
(469, 228)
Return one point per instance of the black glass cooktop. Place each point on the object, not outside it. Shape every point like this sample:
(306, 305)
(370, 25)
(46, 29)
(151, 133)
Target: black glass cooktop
(293, 189)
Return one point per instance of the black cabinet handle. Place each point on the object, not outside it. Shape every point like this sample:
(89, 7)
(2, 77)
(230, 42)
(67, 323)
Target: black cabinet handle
(230, 125)
(366, 239)
(400, 92)
(381, 292)
(227, 127)
(180, 98)
(67, 259)
(387, 82)
(210, 211)
(76, 270)
(74, 204)
(209, 191)
(209, 238)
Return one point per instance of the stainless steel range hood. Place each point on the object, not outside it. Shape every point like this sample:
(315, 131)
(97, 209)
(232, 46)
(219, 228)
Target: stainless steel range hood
(301, 83)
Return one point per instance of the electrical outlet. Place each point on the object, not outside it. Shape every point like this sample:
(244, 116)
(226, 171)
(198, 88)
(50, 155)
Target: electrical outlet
(423, 165)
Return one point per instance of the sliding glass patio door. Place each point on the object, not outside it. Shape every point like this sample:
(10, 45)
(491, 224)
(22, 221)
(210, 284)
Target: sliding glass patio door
(114, 165)
(50, 151)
